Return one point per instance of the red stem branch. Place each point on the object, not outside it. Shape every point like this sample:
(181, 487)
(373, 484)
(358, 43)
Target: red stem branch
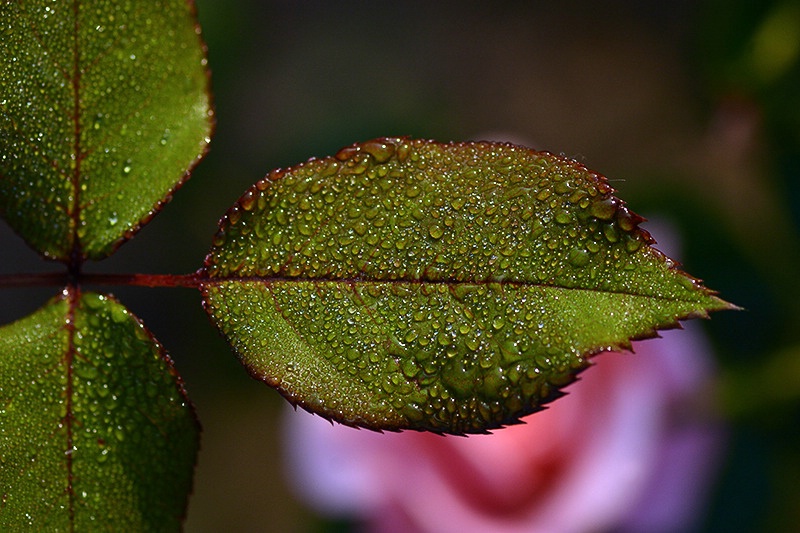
(146, 280)
(50, 279)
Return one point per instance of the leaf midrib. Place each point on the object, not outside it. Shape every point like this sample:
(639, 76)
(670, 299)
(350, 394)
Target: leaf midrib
(74, 213)
(213, 280)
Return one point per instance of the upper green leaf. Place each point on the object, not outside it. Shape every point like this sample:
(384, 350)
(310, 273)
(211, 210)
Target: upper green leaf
(104, 108)
(95, 428)
(450, 287)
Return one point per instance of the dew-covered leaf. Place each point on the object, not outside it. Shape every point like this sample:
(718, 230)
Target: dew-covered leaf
(448, 287)
(96, 432)
(104, 108)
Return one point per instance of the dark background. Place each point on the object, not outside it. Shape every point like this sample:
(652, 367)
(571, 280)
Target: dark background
(691, 108)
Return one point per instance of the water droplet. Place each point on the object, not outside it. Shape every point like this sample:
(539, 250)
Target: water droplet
(403, 151)
(234, 215)
(632, 244)
(563, 187)
(578, 257)
(219, 238)
(443, 339)
(248, 200)
(281, 217)
(346, 153)
(412, 191)
(436, 231)
(610, 233)
(604, 209)
(118, 314)
(381, 150)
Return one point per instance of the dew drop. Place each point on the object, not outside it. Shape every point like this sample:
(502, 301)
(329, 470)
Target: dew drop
(346, 153)
(403, 151)
(563, 217)
(578, 257)
(632, 244)
(610, 233)
(379, 150)
(248, 200)
(436, 231)
(563, 187)
(603, 209)
(281, 218)
(118, 314)
(219, 238)
(234, 215)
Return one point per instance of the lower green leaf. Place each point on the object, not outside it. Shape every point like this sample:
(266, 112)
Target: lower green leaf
(95, 428)
(442, 357)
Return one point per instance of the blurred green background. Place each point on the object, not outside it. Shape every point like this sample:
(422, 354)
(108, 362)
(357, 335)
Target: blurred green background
(691, 108)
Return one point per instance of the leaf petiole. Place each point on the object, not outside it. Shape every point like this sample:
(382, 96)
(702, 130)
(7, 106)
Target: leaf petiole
(46, 279)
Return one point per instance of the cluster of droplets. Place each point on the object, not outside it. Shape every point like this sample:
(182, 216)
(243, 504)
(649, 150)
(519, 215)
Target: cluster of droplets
(91, 402)
(128, 411)
(82, 100)
(455, 358)
(336, 382)
(448, 281)
(32, 412)
(483, 354)
(146, 129)
(396, 209)
(35, 108)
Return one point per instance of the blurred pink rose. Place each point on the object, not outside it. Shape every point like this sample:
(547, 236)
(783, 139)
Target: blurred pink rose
(632, 447)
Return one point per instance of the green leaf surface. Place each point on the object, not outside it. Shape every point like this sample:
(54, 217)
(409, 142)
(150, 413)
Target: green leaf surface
(96, 432)
(448, 287)
(104, 108)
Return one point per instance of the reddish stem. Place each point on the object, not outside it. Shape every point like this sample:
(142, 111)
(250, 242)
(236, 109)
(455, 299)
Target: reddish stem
(47, 279)
(146, 280)
(63, 278)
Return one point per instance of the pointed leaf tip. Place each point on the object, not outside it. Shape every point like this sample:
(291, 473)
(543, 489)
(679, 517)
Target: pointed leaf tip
(447, 287)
